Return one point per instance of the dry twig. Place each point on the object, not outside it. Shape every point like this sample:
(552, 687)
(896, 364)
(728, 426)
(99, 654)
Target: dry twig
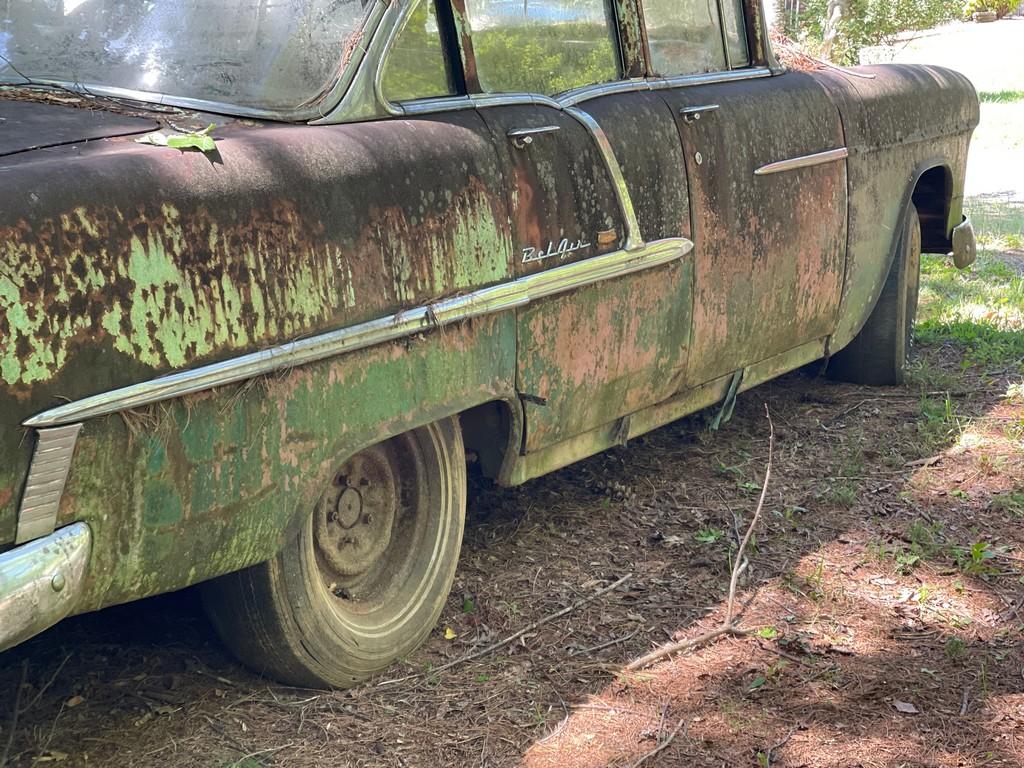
(728, 626)
(15, 711)
(663, 745)
(530, 627)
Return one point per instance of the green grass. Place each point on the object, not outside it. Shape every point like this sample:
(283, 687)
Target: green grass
(980, 309)
(1000, 97)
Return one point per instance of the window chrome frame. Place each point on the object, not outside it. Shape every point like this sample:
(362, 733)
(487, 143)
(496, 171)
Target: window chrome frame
(363, 99)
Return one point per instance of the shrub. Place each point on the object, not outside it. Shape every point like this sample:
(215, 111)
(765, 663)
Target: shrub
(865, 23)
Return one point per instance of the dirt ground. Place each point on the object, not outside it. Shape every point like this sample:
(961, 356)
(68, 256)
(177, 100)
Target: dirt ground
(885, 590)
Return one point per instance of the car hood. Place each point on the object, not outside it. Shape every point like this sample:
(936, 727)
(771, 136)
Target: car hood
(27, 125)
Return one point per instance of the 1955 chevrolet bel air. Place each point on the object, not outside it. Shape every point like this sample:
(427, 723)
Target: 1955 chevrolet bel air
(423, 230)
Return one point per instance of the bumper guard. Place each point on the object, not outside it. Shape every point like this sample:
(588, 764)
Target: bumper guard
(965, 246)
(40, 582)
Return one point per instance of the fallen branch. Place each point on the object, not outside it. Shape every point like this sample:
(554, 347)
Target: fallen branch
(607, 644)
(15, 711)
(530, 627)
(728, 626)
(664, 744)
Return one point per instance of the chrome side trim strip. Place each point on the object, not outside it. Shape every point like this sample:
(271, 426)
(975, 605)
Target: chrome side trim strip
(804, 161)
(575, 96)
(47, 475)
(634, 239)
(485, 301)
(475, 101)
(41, 582)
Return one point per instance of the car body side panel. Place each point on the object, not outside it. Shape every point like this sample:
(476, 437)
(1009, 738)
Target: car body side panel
(206, 484)
(899, 122)
(120, 262)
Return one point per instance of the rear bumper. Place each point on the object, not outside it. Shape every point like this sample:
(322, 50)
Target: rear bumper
(965, 246)
(41, 582)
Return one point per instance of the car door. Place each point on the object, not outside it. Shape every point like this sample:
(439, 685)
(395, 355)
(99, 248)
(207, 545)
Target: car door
(767, 174)
(592, 355)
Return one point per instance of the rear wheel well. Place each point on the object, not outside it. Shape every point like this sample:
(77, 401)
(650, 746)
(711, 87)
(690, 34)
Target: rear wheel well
(488, 432)
(932, 197)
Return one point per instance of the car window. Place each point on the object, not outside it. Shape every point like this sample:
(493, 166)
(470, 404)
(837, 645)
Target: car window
(279, 56)
(543, 46)
(416, 67)
(736, 33)
(684, 36)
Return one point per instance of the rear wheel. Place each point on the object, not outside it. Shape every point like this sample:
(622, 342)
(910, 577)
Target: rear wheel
(878, 354)
(365, 579)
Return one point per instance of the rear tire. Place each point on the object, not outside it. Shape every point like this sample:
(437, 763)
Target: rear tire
(877, 356)
(365, 579)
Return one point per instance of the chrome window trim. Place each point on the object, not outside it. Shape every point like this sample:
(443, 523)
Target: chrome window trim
(803, 161)
(363, 98)
(485, 301)
(710, 78)
(634, 240)
(417, 107)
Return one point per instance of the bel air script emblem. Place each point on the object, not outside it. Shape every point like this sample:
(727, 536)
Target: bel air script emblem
(563, 250)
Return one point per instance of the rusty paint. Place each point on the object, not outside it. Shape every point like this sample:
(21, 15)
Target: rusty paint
(124, 261)
(903, 121)
(769, 253)
(120, 262)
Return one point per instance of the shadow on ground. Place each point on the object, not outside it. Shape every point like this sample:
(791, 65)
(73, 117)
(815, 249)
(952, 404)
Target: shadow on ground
(886, 576)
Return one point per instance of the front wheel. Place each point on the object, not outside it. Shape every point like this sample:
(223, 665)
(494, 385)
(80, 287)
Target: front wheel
(365, 579)
(878, 354)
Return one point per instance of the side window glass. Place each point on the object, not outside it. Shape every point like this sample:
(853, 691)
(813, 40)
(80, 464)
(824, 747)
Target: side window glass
(543, 46)
(416, 67)
(736, 33)
(684, 36)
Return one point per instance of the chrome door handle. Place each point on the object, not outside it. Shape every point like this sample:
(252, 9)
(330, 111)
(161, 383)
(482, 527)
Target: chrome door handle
(523, 137)
(692, 114)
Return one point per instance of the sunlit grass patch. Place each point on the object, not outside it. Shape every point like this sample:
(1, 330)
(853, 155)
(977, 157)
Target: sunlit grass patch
(1000, 97)
(981, 309)
(999, 224)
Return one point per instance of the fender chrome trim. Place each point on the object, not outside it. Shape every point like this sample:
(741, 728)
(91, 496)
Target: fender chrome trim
(51, 461)
(484, 301)
(41, 582)
(804, 161)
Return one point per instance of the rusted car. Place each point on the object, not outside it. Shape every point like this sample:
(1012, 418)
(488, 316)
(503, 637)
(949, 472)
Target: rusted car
(418, 231)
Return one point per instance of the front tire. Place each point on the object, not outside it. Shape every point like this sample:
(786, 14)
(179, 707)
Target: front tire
(877, 356)
(365, 580)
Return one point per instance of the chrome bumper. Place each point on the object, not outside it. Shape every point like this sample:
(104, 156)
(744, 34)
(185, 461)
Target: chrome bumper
(40, 582)
(965, 247)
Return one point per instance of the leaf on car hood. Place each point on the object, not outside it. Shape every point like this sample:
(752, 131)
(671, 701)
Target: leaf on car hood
(201, 140)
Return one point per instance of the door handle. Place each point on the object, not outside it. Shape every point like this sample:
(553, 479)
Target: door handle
(523, 137)
(692, 114)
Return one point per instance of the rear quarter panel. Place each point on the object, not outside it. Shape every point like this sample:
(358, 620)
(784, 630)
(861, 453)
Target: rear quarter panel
(899, 121)
(120, 262)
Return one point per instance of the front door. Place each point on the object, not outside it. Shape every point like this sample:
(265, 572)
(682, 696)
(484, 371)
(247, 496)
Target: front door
(588, 356)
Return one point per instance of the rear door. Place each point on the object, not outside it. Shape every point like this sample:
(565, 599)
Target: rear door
(765, 162)
(592, 355)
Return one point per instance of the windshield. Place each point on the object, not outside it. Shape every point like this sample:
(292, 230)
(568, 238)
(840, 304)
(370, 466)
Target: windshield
(267, 54)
